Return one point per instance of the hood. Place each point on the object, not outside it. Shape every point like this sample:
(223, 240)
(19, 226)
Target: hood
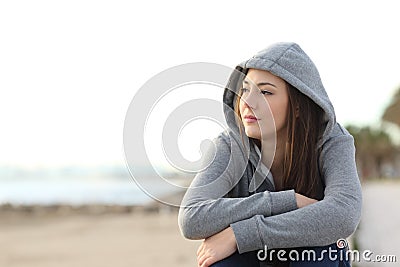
(289, 62)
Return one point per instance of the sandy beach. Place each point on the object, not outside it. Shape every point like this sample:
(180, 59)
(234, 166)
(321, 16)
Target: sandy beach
(138, 238)
(379, 233)
(149, 236)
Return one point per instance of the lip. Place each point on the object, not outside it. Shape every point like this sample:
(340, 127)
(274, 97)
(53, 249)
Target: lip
(250, 118)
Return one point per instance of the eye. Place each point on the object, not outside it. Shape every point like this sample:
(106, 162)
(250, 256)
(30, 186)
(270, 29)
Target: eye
(265, 92)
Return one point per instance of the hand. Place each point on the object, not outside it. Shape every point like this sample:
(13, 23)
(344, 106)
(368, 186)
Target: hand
(303, 201)
(216, 248)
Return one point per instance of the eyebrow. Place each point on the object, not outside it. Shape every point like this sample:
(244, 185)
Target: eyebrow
(261, 83)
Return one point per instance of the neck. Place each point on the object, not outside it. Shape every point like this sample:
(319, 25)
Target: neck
(274, 160)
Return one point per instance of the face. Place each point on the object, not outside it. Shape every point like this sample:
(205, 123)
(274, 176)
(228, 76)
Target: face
(263, 105)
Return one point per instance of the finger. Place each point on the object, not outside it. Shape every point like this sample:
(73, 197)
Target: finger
(201, 259)
(208, 262)
(200, 249)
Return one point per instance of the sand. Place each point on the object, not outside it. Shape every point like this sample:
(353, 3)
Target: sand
(379, 230)
(118, 236)
(74, 240)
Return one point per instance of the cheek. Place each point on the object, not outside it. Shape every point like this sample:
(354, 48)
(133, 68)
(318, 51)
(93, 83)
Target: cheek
(283, 113)
(279, 111)
(241, 106)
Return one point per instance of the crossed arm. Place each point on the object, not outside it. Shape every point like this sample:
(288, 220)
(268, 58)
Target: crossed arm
(223, 244)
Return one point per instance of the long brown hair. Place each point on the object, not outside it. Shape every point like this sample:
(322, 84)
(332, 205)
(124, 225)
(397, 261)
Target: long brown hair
(304, 128)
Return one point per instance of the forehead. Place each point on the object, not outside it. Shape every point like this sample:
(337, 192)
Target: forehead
(256, 75)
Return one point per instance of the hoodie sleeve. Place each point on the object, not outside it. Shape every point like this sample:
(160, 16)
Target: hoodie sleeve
(206, 211)
(319, 224)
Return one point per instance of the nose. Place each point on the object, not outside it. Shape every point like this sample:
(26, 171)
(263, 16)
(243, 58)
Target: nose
(250, 100)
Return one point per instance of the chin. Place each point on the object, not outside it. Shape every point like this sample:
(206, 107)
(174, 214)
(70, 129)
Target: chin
(253, 134)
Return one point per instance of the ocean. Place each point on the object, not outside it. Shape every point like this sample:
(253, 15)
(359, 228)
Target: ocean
(72, 186)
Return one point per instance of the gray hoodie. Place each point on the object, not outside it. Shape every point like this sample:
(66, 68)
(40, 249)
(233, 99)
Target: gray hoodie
(235, 190)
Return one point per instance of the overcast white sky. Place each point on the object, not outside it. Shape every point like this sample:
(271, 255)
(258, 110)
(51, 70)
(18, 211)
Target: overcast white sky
(69, 69)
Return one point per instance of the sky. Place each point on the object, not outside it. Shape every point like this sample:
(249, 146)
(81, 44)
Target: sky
(69, 69)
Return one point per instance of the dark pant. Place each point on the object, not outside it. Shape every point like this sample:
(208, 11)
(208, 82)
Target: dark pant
(327, 256)
(235, 260)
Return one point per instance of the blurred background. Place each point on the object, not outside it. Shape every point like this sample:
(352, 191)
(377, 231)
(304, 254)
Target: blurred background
(70, 69)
